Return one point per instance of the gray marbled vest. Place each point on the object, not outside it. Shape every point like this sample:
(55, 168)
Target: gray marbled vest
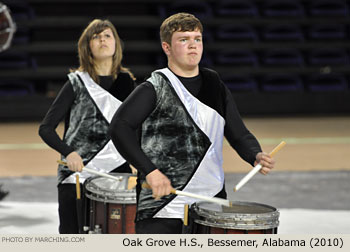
(175, 144)
(89, 119)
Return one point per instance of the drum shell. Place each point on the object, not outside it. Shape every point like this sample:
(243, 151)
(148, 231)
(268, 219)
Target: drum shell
(110, 204)
(113, 218)
(209, 218)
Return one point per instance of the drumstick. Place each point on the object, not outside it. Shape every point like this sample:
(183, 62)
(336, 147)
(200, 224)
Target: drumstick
(197, 196)
(77, 186)
(102, 174)
(257, 167)
(206, 198)
(132, 182)
(78, 204)
(186, 215)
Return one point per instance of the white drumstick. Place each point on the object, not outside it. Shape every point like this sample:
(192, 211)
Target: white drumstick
(102, 174)
(196, 196)
(257, 168)
(206, 198)
(247, 177)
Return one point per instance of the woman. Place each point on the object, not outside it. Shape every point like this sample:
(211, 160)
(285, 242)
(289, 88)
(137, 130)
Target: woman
(87, 103)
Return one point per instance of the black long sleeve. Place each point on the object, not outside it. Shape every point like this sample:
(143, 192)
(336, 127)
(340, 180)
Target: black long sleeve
(237, 134)
(126, 122)
(58, 111)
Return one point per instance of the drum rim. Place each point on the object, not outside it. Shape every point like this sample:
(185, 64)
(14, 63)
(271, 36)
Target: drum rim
(11, 29)
(132, 200)
(89, 179)
(246, 203)
(113, 174)
(241, 221)
(105, 196)
(239, 226)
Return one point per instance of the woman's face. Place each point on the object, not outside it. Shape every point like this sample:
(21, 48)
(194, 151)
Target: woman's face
(102, 45)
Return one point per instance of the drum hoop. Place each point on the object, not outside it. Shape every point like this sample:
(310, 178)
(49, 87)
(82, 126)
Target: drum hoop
(102, 195)
(93, 189)
(131, 200)
(243, 203)
(111, 173)
(240, 226)
(238, 220)
(235, 216)
(12, 25)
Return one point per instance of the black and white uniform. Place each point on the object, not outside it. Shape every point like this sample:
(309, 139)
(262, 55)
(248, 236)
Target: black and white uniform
(87, 109)
(183, 123)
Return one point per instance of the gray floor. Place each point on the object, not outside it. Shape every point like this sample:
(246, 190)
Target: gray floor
(316, 202)
(312, 190)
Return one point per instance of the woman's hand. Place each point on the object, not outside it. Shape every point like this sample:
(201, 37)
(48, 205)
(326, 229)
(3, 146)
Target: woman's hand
(74, 162)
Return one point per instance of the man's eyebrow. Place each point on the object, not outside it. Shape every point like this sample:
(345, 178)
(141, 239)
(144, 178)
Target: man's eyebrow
(188, 36)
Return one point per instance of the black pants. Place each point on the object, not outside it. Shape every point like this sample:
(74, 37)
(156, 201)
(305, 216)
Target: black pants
(67, 209)
(159, 226)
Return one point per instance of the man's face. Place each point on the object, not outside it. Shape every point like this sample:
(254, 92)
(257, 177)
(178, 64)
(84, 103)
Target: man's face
(186, 49)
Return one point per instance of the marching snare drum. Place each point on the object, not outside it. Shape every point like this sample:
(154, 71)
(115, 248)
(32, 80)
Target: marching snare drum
(7, 27)
(240, 218)
(112, 205)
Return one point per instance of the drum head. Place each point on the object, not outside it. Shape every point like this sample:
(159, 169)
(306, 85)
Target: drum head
(236, 207)
(241, 215)
(109, 190)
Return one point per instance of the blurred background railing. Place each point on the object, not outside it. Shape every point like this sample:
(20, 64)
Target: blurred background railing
(278, 57)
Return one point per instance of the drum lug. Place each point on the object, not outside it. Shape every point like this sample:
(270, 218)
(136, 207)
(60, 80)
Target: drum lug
(97, 230)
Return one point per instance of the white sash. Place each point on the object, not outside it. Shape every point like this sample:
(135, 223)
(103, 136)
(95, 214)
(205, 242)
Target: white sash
(208, 180)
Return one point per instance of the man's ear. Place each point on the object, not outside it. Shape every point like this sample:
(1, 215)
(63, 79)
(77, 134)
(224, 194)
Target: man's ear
(166, 48)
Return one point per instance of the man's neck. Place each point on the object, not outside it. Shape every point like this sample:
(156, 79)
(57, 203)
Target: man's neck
(190, 72)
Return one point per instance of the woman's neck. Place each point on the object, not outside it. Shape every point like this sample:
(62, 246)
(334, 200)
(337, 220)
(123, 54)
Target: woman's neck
(103, 68)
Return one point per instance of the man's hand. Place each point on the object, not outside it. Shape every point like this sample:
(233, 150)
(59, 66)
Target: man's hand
(266, 161)
(159, 183)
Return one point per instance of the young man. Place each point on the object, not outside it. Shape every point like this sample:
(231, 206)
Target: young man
(184, 112)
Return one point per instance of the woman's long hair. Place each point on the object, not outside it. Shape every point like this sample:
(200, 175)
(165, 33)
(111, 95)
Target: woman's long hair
(86, 59)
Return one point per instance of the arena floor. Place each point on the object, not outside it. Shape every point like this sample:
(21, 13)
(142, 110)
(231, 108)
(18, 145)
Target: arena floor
(309, 186)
